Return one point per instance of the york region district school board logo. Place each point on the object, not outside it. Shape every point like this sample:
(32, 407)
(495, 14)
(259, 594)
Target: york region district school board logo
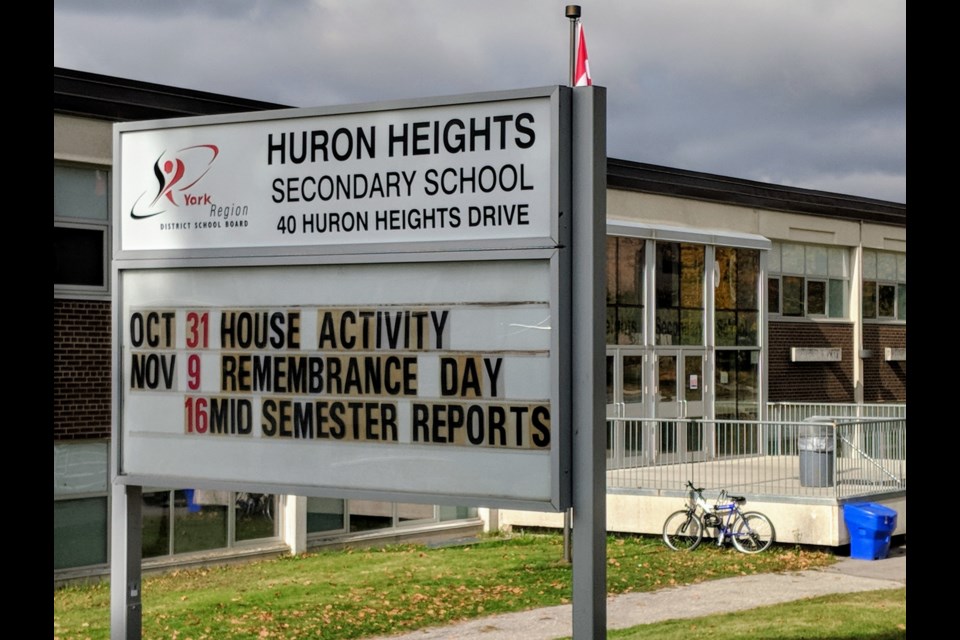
(176, 174)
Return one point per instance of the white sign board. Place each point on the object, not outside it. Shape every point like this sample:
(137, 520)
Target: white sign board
(305, 177)
(350, 304)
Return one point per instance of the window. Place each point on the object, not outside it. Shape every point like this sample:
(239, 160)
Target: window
(81, 226)
(186, 520)
(334, 516)
(680, 299)
(773, 295)
(807, 281)
(325, 515)
(736, 297)
(884, 285)
(625, 258)
(737, 384)
(80, 511)
(737, 334)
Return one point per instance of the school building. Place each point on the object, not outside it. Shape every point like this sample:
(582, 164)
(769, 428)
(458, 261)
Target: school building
(756, 341)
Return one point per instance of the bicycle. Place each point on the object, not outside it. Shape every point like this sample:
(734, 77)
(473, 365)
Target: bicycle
(750, 531)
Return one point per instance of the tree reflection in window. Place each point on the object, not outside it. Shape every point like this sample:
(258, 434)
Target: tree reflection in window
(736, 296)
(679, 293)
(625, 262)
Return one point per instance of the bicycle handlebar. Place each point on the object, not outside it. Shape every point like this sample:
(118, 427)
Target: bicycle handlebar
(697, 489)
(724, 495)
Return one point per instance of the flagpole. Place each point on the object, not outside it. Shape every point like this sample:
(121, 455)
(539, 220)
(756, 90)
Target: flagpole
(573, 13)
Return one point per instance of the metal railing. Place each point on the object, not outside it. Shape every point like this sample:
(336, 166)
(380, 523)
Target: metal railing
(798, 411)
(820, 458)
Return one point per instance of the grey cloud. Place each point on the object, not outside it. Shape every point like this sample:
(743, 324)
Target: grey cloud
(809, 93)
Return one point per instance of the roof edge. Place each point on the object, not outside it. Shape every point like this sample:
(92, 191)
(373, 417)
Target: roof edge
(648, 178)
(82, 93)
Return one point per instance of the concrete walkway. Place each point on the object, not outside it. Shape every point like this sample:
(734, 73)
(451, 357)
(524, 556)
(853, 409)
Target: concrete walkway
(716, 596)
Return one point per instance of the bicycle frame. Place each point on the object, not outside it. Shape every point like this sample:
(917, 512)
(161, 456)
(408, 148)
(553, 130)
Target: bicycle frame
(749, 531)
(722, 518)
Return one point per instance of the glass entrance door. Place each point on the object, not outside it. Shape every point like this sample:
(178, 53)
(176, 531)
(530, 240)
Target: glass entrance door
(679, 405)
(624, 382)
(624, 403)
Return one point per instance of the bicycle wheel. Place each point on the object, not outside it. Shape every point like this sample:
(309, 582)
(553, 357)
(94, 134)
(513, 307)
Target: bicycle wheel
(754, 533)
(682, 531)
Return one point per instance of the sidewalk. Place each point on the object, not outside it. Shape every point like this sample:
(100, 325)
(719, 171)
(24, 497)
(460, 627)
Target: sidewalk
(691, 601)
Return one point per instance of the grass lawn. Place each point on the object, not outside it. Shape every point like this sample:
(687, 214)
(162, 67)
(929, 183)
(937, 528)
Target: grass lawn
(361, 592)
(870, 615)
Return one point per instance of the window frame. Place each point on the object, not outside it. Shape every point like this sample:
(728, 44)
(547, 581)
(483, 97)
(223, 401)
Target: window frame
(824, 295)
(618, 309)
(680, 295)
(88, 223)
(744, 265)
(827, 280)
(877, 283)
(232, 542)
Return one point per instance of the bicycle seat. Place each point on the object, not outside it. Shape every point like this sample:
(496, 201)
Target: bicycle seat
(737, 499)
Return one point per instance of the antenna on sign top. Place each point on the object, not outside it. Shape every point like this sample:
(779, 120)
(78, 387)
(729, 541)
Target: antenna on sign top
(573, 13)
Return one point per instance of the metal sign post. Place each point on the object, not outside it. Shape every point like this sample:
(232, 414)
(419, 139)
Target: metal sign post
(588, 283)
(126, 608)
(290, 312)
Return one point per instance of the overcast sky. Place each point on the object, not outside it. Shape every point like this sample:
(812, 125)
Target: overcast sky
(806, 93)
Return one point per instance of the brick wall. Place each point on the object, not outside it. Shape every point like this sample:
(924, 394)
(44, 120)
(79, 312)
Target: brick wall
(81, 369)
(884, 381)
(810, 381)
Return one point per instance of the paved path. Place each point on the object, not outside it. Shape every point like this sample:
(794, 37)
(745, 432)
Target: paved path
(715, 596)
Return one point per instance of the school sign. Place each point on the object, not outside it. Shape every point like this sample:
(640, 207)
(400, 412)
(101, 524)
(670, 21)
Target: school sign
(367, 301)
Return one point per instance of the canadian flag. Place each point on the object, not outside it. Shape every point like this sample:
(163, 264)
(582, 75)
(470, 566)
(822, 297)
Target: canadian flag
(581, 75)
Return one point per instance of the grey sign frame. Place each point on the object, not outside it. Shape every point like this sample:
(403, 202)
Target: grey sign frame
(574, 251)
(550, 249)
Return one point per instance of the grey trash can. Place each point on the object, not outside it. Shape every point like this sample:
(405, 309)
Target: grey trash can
(816, 445)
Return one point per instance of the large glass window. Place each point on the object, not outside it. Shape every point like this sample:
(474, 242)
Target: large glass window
(737, 384)
(625, 261)
(81, 222)
(736, 298)
(808, 281)
(884, 285)
(679, 293)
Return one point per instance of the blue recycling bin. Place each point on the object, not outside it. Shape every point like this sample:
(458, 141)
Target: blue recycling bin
(870, 526)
